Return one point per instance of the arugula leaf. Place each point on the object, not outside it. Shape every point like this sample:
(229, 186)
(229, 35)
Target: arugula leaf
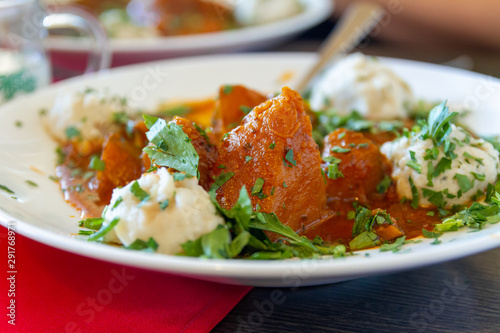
(140, 245)
(171, 146)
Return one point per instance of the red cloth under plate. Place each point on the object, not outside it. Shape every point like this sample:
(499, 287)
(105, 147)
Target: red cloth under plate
(56, 291)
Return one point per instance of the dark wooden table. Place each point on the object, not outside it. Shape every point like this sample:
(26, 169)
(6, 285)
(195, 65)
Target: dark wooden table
(457, 296)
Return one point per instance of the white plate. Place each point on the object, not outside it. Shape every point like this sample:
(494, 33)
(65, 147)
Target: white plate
(243, 39)
(43, 215)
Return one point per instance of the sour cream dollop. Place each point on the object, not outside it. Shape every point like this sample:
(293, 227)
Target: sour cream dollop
(363, 84)
(475, 166)
(188, 214)
(89, 112)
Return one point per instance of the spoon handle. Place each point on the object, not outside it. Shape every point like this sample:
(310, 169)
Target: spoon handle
(357, 22)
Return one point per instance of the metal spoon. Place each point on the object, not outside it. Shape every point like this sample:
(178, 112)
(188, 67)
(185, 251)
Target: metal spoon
(356, 23)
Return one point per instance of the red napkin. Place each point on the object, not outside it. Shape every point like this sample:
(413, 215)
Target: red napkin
(56, 291)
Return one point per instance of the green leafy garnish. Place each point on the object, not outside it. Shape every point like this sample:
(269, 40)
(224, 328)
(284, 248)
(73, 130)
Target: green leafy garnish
(140, 245)
(93, 223)
(464, 182)
(6, 189)
(171, 146)
(383, 186)
(245, 109)
(104, 230)
(414, 193)
(438, 125)
(289, 157)
(257, 188)
(139, 193)
(31, 183)
(72, 132)
(97, 164)
(227, 89)
(337, 149)
(394, 247)
(413, 163)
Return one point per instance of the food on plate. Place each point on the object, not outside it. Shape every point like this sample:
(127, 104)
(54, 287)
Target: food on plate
(155, 18)
(140, 209)
(363, 84)
(255, 12)
(441, 166)
(247, 176)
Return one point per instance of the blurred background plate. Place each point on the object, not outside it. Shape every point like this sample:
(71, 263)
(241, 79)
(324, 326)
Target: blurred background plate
(131, 50)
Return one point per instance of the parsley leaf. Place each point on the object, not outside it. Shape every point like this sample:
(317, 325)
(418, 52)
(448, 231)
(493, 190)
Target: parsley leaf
(104, 230)
(464, 182)
(438, 125)
(337, 149)
(171, 146)
(139, 193)
(97, 164)
(289, 157)
(140, 245)
(6, 189)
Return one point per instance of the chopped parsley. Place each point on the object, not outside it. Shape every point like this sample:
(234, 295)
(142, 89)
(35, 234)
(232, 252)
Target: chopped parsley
(117, 203)
(6, 189)
(257, 189)
(289, 157)
(139, 193)
(383, 186)
(464, 182)
(272, 145)
(140, 245)
(164, 204)
(478, 160)
(72, 132)
(31, 183)
(97, 164)
(415, 196)
(413, 163)
(104, 230)
(245, 109)
(333, 171)
(338, 149)
(227, 89)
(248, 159)
(179, 176)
